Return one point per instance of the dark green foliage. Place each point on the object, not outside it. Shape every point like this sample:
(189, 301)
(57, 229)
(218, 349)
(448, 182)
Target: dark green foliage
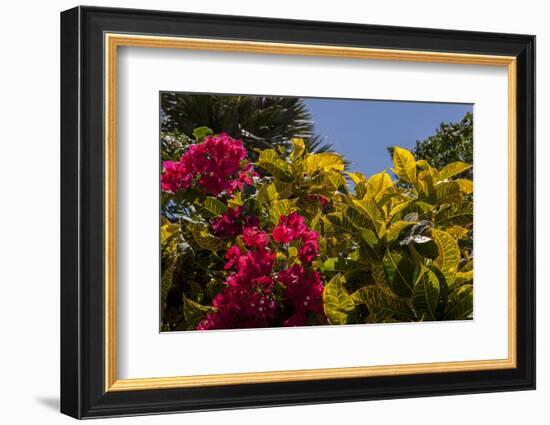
(260, 121)
(452, 142)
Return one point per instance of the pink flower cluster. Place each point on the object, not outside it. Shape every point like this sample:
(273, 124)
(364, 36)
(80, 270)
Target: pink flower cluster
(304, 290)
(248, 300)
(291, 228)
(256, 293)
(216, 165)
(231, 223)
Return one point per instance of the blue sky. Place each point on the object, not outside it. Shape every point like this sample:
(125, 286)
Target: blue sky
(362, 129)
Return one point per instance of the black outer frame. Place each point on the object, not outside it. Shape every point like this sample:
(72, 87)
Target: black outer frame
(82, 206)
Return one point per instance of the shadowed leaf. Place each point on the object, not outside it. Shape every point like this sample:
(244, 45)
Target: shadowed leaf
(338, 304)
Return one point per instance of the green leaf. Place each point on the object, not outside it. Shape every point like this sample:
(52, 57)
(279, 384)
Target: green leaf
(166, 280)
(377, 185)
(460, 305)
(369, 208)
(397, 209)
(447, 193)
(399, 273)
(268, 193)
(200, 133)
(466, 186)
(357, 218)
(315, 222)
(334, 178)
(360, 182)
(285, 190)
(378, 274)
(369, 237)
(426, 181)
(337, 220)
(324, 161)
(457, 232)
(170, 235)
(278, 168)
(423, 164)
(292, 251)
(426, 293)
(212, 206)
(462, 214)
(236, 200)
(449, 255)
(298, 149)
(205, 240)
(335, 264)
(396, 228)
(337, 303)
(357, 177)
(382, 304)
(279, 208)
(194, 312)
(281, 257)
(462, 278)
(453, 169)
(404, 165)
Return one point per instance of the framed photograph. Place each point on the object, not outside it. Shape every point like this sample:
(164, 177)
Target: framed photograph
(261, 212)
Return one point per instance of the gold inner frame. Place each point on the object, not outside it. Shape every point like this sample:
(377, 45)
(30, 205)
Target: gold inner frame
(113, 41)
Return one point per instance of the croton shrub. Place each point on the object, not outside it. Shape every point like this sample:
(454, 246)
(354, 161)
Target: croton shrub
(287, 237)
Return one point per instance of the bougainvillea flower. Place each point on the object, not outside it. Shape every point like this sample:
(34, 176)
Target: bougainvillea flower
(175, 177)
(254, 264)
(228, 224)
(254, 238)
(282, 233)
(216, 165)
(309, 235)
(290, 227)
(292, 275)
(297, 223)
(237, 306)
(308, 251)
(250, 297)
(251, 221)
(304, 290)
(232, 255)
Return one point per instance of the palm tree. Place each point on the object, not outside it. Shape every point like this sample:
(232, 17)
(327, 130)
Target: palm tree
(260, 121)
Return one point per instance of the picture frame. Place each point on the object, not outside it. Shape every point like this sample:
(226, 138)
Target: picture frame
(90, 40)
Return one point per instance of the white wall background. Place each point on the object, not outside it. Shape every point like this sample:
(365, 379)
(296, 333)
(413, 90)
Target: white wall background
(29, 212)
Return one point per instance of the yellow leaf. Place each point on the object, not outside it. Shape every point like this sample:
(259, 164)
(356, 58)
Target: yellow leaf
(298, 148)
(271, 162)
(447, 193)
(377, 185)
(169, 236)
(466, 186)
(423, 164)
(396, 228)
(323, 161)
(337, 302)
(426, 293)
(235, 201)
(279, 208)
(457, 232)
(453, 169)
(357, 177)
(427, 180)
(404, 165)
(449, 255)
